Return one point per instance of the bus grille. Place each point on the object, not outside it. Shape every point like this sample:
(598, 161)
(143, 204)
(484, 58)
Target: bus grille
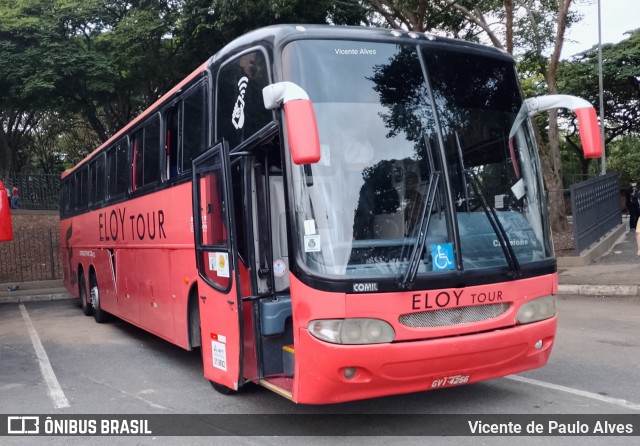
(453, 316)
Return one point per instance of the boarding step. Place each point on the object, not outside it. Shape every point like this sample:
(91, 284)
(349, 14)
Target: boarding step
(288, 359)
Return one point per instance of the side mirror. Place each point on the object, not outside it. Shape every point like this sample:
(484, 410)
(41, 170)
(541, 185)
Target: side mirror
(302, 129)
(587, 119)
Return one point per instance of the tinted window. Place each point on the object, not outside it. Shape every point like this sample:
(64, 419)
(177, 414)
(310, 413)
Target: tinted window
(96, 180)
(172, 120)
(92, 181)
(194, 140)
(151, 171)
(146, 147)
(99, 191)
(117, 169)
(138, 158)
(122, 157)
(240, 109)
(83, 187)
(73, 191)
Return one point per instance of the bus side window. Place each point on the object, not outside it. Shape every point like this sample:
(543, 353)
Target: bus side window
(92, 182)
(73, 190)
(146, 154)
(83, 187)
(151, 170)
(171, 140)
(122, 169)
(240, 111)
(99, 191)
(194, 125)
(138, 159)
(96, 178)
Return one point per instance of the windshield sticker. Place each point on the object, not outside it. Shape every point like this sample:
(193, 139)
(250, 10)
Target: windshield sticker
(222, 264)
(499, 201)
(309, 227)
(237, 118)
(355, 52)
(279, 268)
(518, 189)
(312, 243)
(442, 255)
(212, 262)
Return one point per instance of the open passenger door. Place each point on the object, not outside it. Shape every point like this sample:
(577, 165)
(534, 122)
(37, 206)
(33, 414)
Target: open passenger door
(219, 300)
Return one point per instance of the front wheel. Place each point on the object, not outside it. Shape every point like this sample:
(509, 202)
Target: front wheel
(223, 389)
(220, 388)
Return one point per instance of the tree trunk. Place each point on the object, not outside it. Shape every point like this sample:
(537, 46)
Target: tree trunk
(553, 177)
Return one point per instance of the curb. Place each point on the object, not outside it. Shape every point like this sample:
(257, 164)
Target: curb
(35, 298)
(599, 290)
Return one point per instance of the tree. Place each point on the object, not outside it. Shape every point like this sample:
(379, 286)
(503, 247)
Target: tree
(105, 61)
(205, 26)
(621, 82)
(533, 30)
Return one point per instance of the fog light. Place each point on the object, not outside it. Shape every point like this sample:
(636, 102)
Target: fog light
(538, 345)
(349, 372)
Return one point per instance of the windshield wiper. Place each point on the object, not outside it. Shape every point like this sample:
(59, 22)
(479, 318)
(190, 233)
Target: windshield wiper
(423, 227)
(492, 216)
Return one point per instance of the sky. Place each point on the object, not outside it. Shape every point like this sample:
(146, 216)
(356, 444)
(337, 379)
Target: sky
(618, 16)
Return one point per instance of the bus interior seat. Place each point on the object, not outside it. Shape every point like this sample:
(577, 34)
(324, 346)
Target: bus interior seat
(273, 315)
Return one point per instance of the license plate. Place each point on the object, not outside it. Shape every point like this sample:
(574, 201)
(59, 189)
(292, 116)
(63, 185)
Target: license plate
(449, 381)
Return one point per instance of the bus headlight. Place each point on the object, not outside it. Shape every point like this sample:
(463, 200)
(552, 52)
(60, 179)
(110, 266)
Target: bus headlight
(352, 331)
(537, 310)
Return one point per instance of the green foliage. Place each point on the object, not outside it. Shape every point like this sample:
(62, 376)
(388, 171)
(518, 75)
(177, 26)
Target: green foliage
(624, 158)
(102, 62)
(621, 83)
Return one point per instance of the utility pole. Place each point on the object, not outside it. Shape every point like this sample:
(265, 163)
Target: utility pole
(600, 83)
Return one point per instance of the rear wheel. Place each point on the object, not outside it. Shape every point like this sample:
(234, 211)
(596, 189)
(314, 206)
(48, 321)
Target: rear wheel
(98, 314)
(82, 289)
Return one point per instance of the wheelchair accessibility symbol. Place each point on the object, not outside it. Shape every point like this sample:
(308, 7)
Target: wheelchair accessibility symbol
(442, 255)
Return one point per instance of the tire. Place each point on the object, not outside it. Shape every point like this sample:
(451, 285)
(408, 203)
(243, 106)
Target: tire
(223, 389)
(99, 314)
(87, 310)
(217, 387)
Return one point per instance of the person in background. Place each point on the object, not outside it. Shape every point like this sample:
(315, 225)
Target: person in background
(15, 198)
(633, 206)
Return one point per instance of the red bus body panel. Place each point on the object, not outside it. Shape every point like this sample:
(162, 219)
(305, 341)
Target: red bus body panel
(419, 356)
(147, 281)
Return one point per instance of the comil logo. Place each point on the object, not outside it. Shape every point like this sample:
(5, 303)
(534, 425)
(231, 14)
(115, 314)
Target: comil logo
(23, 425)
(237, 117)
(365, 287)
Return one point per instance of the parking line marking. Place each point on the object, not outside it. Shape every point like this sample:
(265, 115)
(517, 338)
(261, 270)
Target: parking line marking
(55, 391)
(594, 396)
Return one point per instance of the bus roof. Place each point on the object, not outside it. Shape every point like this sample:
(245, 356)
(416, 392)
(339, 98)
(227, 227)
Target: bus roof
(277, 34)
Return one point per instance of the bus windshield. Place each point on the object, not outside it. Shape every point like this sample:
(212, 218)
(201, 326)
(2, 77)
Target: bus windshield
(421, 164)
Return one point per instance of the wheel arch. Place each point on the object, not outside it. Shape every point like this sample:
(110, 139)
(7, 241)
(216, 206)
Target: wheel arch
(193, 317)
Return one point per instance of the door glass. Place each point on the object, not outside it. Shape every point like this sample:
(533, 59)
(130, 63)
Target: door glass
(213, 257)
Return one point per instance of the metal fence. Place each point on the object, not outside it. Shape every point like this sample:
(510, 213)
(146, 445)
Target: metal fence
(37, 191)
(34, 254)
(596, 210)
